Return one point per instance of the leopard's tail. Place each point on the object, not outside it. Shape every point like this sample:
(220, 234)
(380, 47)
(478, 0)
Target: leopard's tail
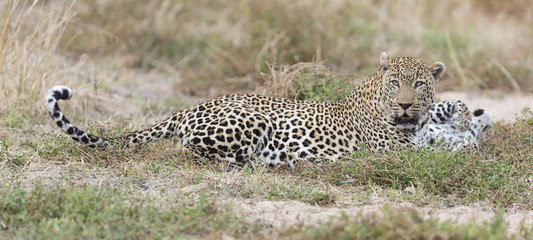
(78, 135)
(165, 129)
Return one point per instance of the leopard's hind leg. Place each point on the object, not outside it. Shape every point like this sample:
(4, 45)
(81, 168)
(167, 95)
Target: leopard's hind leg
(229, 132)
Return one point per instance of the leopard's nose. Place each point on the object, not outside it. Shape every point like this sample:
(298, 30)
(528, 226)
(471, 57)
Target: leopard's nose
(405, 106)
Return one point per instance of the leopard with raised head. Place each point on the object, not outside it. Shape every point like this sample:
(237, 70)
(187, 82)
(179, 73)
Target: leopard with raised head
(393, 107)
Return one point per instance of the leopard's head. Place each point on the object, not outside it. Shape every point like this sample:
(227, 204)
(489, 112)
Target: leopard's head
(408, 90)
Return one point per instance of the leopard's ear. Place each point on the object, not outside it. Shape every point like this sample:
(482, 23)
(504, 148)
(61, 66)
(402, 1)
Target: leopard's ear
(384, 61)
(437, 70)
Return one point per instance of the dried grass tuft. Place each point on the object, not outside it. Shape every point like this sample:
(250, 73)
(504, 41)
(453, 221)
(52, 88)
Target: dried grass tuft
(283, 80)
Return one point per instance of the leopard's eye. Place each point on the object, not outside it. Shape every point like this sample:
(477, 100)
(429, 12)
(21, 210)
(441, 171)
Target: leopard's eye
(418, 84)
(395, 83)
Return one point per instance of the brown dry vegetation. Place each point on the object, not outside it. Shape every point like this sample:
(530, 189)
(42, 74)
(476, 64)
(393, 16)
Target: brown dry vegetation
(206, 41)
(211, 47)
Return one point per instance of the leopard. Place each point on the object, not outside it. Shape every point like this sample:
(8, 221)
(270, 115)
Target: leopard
(393, 107)
(444, 133)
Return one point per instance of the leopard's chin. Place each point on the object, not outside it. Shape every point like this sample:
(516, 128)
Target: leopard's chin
(406, 122)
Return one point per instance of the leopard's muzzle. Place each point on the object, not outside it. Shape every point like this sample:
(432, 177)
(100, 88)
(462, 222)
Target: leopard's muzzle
(406, 122)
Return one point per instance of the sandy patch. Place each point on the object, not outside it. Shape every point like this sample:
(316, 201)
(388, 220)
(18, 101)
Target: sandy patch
(503, 106)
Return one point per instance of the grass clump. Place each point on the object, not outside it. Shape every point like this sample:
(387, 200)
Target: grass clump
(401, 224)
(306, 81)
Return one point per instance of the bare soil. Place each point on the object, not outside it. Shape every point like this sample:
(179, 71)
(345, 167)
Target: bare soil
(503, 106)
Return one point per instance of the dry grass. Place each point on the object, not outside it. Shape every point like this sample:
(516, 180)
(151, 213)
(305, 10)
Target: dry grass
(30, 63)
(282, 80)
(307, 81)
(206, 48)
(211, 42)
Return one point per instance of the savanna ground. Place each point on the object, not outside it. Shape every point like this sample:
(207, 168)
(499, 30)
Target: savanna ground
(132, 63)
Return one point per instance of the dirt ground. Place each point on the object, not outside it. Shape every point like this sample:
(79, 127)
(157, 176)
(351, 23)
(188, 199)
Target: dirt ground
(503, 106)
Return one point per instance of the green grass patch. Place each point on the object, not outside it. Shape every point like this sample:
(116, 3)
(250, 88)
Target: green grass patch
(111, 212)
(282, 186)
